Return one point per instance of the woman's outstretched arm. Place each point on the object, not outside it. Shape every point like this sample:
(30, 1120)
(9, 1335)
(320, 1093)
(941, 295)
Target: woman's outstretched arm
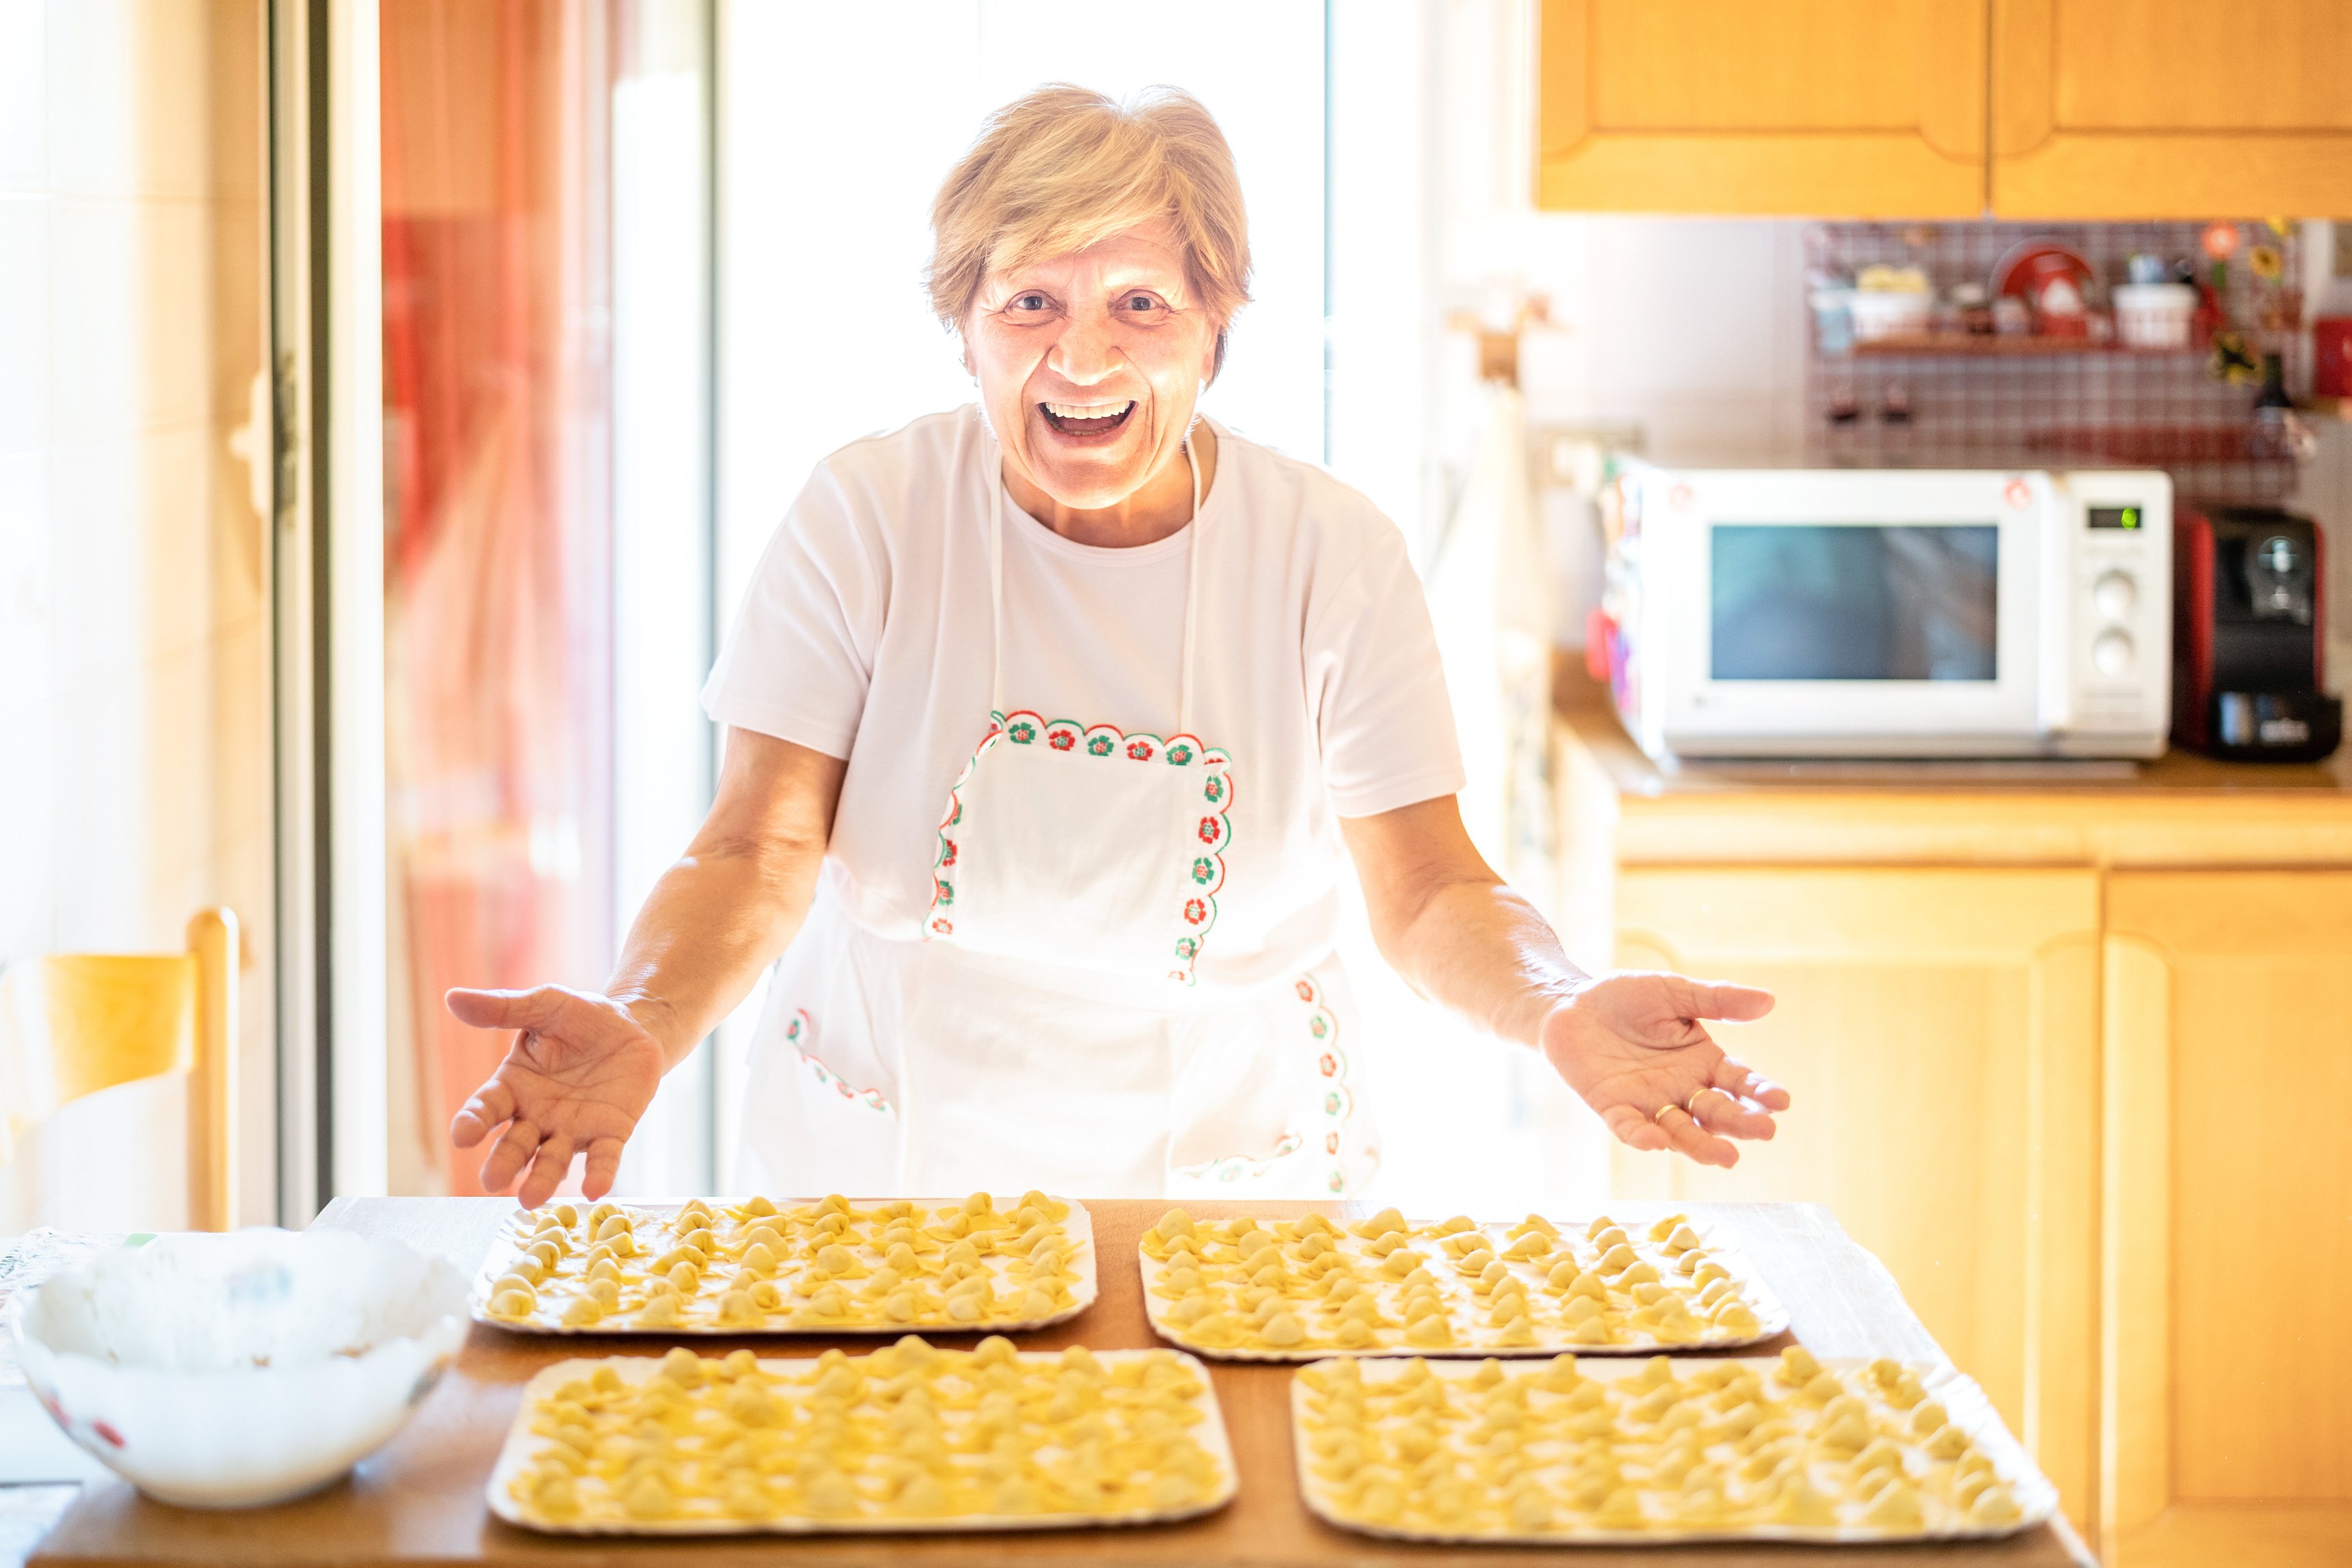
(583, 1066)
(1632, 1044)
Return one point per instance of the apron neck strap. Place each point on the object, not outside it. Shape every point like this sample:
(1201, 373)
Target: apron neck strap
(996, 592)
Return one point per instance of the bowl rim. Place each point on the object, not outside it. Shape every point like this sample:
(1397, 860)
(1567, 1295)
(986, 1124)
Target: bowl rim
(22, 1305)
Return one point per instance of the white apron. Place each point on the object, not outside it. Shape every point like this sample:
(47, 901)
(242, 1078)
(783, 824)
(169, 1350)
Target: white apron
(1049, 1030)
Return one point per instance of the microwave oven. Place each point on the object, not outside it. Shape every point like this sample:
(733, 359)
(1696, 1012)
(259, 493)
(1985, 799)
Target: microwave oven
(1887, 612)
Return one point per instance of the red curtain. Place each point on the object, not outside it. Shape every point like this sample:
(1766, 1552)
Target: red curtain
(497, 519)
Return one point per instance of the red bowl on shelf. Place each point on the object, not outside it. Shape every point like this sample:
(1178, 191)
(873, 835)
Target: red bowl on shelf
(2056, 281)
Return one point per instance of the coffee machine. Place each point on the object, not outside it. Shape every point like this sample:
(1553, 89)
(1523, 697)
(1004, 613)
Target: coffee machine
(2250, 635)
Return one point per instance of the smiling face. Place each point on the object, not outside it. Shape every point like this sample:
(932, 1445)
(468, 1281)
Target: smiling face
(1089, 366)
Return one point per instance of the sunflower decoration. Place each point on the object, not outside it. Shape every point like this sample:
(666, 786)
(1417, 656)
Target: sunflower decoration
(2267, 262)
(2234, 360)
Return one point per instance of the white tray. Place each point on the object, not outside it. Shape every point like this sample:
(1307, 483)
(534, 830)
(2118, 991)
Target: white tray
(1771, 1317)
(522, 1445)
(1078, 1225)
(1963, 1402)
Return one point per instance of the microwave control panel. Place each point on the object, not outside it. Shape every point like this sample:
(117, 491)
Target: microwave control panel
(2118, 635)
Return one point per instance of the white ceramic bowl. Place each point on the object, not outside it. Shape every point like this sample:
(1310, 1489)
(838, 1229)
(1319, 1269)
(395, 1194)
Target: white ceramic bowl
(231, 1370)
(1889, 313)
(2154, 315)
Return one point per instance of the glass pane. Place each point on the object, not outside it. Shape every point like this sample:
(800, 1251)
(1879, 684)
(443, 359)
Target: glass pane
(1854, 602)
(517, 489)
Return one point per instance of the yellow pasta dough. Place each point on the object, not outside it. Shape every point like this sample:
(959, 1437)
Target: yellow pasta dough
(909, 1437)
(978, 1262)
(1299, 1289)
(1561, 1449)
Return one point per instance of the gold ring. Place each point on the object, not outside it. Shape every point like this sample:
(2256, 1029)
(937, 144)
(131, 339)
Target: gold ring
(1691, 1105)
(1659, 1114)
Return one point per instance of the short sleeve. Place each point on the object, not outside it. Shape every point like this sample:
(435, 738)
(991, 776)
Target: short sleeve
(1382, 718)
(800, 657)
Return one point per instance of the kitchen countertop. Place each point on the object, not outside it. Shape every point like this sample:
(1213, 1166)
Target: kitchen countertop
(420, 1499)
(2179, 810)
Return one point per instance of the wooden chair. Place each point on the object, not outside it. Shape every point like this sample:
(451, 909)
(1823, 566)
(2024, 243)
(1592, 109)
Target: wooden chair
(104, 1019)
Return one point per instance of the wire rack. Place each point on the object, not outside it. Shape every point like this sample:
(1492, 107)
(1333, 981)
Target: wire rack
(2008, 402)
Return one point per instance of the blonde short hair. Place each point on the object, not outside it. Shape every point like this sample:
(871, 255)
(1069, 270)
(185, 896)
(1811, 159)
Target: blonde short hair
(1062, 168)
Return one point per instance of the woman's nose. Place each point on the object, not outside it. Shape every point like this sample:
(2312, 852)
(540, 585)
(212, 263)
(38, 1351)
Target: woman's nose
(1087, 349)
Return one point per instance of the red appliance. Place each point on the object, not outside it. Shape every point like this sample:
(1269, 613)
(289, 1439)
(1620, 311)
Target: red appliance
(2250, 635)
(2331, 356)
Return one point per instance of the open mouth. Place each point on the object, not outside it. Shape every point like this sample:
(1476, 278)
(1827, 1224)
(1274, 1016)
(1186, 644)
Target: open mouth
(1086, 418)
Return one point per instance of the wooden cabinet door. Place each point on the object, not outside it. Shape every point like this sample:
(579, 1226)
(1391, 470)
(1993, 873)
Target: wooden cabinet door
(1939, 1030)
(2171, 109)
(1827, 108)
(2227, 1216)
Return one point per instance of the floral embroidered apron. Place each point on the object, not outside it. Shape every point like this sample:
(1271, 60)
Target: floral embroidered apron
(1049, 1030)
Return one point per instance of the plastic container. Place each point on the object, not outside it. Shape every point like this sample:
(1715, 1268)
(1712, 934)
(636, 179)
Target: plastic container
(232, 1371)
(1879, 314)
(1832, 319)
(2154, 315)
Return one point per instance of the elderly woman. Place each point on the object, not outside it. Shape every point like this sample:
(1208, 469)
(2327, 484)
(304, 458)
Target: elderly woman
(1048, 720)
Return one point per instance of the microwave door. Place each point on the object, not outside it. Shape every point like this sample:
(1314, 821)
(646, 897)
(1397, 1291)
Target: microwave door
(1885, 634)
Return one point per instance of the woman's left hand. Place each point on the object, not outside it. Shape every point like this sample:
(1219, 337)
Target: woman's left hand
(1632, 1044)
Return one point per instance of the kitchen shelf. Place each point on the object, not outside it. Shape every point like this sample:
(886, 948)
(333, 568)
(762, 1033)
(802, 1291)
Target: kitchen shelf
(1996, 346)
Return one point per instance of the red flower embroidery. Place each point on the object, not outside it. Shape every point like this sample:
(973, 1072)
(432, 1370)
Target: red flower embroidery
(1306, 990)
(1211, 829)
(1331, 1067)
(113, 1437)
(1330, 1143)
(948, 854)
(1195, 910)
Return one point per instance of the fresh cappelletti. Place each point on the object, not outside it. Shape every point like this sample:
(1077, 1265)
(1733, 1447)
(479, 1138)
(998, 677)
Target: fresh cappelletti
(757, 1267)
(1300, 1290)
(909, 1437)
(1565, 1450)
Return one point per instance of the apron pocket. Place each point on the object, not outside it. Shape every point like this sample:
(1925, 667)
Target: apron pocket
(814, 1125)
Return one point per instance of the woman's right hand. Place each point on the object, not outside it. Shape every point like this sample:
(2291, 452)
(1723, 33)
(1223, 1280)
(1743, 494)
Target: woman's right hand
(580, 1074)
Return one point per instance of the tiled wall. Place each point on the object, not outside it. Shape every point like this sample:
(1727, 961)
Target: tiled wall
(134, 773)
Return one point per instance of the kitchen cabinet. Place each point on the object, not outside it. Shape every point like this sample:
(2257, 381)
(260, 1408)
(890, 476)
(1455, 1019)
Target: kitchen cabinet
(2170, 108)
(2067, 1056)
(1937, 1022)
(2227, 1248)
(1837, 108)
(1924, 109)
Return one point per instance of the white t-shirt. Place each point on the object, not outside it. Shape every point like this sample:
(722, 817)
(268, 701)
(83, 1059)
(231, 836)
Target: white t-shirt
(866, 635)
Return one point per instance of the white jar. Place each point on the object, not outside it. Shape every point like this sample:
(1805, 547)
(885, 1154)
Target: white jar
(2154, 315)
(1880, 313)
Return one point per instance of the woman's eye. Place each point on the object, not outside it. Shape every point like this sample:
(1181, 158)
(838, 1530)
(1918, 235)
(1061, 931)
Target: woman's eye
(1141, 305)
(1028, 302)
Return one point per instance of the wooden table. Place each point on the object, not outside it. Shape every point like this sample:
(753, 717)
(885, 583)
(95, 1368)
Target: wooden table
(421, 1498)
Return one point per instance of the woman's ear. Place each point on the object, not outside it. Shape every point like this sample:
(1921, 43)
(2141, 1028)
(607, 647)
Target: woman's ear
(964, 344)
